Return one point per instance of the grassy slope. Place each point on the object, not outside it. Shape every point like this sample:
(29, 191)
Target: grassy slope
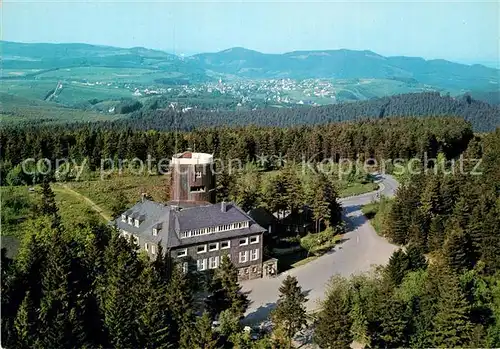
(104, 192)
(17, 109)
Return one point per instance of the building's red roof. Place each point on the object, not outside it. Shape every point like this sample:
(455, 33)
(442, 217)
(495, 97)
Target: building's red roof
(186, 155)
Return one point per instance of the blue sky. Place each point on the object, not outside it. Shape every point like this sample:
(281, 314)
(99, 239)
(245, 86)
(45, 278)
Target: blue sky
(459, 31)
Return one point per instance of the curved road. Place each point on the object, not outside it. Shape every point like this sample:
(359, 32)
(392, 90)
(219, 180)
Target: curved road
(362, 249)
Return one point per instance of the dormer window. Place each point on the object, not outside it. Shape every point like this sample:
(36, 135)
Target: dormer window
(136, 223)
(130, 220)
(155, 232)
(124, 218)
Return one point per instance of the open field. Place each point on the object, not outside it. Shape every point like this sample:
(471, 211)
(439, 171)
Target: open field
(18, 204)
(17, 109)
(128, 188)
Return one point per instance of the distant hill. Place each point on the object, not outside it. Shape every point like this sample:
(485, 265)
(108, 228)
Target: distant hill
(244, 63)
(348, 64)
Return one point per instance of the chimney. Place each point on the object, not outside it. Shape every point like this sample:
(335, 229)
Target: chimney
(223, 206)
(143, 196)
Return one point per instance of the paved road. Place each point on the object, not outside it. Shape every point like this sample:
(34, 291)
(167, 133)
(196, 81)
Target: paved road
(362, 249)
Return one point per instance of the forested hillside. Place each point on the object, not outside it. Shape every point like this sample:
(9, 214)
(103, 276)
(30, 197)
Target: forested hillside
(389, 138)
(483, 117)
(442, 289)
(85, 286)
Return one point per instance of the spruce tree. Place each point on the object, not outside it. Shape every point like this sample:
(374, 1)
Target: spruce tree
(181, 304)
(48, 205)
(393, 324)
(324, 202)
(397, 224)
(430, 198)
(227, 291)
(451, 324)
(119, 302)
(26, 325)
(416, 258)
(334, 318)
(491, 241)
(359, 327)
(436, 236)
(154, 320)
(457, 249)
(204, 337)
(294, 196)
(60, 325)
(397, 267)
(290, 312)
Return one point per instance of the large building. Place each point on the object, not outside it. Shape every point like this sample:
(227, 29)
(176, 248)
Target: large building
(195, 232)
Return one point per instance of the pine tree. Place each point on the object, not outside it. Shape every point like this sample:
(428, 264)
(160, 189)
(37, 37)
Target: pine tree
(119, 302)
(48, 205)
(457, 249)
(359, 326)
(226, 278)
(324, 202)
(436, 236)
(204, 337)
(154, 320)
(416, 258)
(59, 324)
(451, 325)
(180, 302)
(397, 267)
(26, 324)
(333, 319)
(392, 331)
(290, 312)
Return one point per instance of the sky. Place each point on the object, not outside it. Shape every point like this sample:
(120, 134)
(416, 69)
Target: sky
(467, 32)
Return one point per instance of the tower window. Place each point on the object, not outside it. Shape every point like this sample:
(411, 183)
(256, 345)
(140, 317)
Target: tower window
(197, 189)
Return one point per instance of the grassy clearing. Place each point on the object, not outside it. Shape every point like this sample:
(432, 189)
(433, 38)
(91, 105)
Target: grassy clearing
(73, 209)
(105, 193)
(377, 212)
(18, 205)
(351, 189)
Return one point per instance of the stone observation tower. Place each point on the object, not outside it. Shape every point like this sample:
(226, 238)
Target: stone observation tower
(192, 179)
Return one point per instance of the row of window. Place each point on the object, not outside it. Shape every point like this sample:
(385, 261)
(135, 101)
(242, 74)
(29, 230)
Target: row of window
(214, 262)
(130, 220)
(253, 254)
(210, 263)
(211, 230)
(215, 246)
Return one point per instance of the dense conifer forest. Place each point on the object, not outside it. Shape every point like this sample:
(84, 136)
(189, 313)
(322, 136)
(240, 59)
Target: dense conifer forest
(442, 288)
(483, 116)
(85, 286)
(389, 138)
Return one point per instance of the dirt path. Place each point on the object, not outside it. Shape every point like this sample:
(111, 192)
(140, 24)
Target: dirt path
(93, 205)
